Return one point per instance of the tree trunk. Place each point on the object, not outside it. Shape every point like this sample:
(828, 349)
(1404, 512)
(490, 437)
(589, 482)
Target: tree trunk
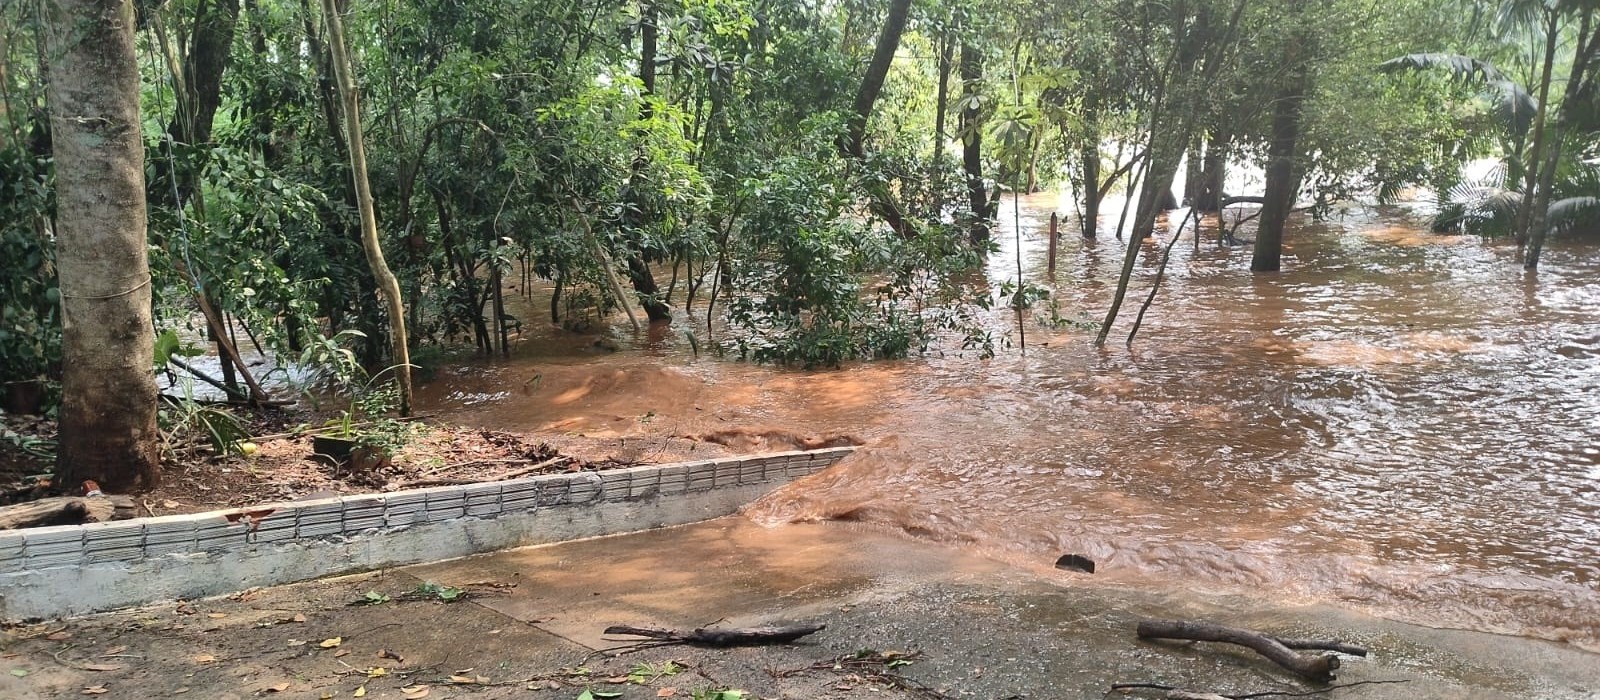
(1089, 155)
(1583, 58)
(851, 145)
(108, 391)
(202, 65)
(1192, 172)
(1212, 173)
(387, 284)
(644, 282)
(872, 83)
(1282, 180)
(972, 147)
(1521, 225)
(1155, 196)
(940, 102)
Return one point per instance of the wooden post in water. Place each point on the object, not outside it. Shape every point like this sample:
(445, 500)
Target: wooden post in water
(1051, 265)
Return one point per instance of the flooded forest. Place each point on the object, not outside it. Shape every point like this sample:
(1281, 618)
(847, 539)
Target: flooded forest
(1276, 298)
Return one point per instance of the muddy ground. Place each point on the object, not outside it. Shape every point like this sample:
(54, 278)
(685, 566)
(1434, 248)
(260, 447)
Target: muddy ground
(904, 619)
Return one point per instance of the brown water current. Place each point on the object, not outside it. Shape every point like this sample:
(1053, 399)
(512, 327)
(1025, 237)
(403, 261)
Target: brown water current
(1399, 422)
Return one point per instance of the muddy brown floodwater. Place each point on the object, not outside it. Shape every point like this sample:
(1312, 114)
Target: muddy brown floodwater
(1399, 422)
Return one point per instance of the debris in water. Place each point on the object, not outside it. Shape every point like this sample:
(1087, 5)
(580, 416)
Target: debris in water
(1075, 562)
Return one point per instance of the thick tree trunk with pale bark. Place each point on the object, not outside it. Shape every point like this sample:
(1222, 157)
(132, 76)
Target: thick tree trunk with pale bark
(108, 391)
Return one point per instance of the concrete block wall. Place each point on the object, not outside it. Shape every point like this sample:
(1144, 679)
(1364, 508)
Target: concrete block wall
(75, 569)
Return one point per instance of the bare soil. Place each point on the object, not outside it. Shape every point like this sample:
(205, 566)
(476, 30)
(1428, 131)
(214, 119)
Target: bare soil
(283, 465)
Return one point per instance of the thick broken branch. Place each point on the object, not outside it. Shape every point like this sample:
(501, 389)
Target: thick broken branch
(729, 637)
(1312, 667)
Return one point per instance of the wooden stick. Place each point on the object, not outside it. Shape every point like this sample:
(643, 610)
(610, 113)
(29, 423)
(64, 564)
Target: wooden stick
(727, 637)
(1318, 667)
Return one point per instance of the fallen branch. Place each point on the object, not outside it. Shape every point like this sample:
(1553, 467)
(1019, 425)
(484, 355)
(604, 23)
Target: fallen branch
(872, 665)
(728, 637)
(1176, 693)
(1314, 667)
(503, 477)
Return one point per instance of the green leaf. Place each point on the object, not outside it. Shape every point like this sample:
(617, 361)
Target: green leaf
(19, 672)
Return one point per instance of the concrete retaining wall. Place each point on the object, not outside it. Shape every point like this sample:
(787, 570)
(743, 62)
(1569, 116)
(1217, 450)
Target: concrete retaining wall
(75, 569)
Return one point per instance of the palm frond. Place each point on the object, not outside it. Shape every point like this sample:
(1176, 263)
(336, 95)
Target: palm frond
(1574, 212)
(1464, 68)
(1512, 105)
(1483, 205)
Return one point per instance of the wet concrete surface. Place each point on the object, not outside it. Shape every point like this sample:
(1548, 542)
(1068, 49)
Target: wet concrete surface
(532, 620)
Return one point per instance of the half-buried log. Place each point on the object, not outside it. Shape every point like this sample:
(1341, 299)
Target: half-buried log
(70, 510)
(1312, 667)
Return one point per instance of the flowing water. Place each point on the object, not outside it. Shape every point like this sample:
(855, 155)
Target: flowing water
(1399, 422)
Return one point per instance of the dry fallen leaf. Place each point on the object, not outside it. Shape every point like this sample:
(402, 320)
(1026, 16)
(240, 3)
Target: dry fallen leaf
(326, 695)
(297, 642)
(386, 654)
(341, 652)
(461, 679)
(205, 659)
(275, 688)
(360, 692)
(298, 617)
(216, 616)
(377, 671)
(414, 692)
(59, 636)
(331, 643)
(617, 679)
(93, 690)
(101, 667)
(666, 692)
(118, 649)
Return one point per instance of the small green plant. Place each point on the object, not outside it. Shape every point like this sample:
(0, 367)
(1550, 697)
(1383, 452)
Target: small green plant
(185, 419)
(373, 598)
(444, 594)
(592, 694)
(373, 400)
(647, 673)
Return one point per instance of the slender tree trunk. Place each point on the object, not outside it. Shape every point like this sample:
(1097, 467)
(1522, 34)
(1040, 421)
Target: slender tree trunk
(940, 109)
(639, 274)
(852, 144)
(387, 284)
(108, 391)
(1283, 182)
(1535, 158)
(972, 147)
(1089, 156)
(1583, 60)
(894, 24)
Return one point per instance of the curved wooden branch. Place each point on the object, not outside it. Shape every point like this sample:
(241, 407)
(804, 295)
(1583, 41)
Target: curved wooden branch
(1318, 667)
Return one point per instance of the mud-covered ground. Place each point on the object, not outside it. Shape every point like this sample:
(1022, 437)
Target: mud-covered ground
(904, 619)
